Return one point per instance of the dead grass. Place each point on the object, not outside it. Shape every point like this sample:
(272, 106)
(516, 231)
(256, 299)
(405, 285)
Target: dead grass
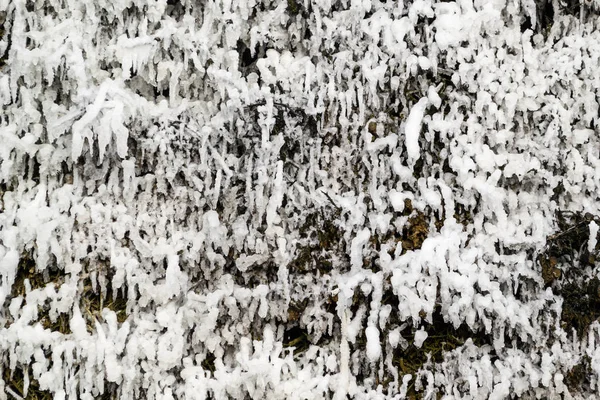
(93, 302)
(442, 337)
(578, 377)
(15, 382)
(322, 240)
(562, 265)
(29, 277)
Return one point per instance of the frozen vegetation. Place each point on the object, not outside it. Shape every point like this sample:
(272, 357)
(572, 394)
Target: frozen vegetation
(301, 199)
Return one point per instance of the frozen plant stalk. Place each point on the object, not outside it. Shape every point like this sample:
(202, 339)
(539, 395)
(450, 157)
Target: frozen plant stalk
(412, 129)
(593, 235)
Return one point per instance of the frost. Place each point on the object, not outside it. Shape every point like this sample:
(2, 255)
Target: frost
(394, 338)
(397, 200)
(420, 337)
(591, 247)
(581, 136)
(299, 199)
(433, 97)
(276, 197)
(8, 271)
(134, 53)
(450, 25)
(356, 251)
(412, 129)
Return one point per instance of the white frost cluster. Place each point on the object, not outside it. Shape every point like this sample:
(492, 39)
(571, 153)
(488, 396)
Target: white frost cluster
(212, 199)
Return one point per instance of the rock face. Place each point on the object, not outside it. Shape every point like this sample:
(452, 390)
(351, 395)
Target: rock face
(301, 199)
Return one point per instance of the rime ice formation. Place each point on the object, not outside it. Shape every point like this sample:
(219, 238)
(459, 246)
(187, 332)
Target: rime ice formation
(296, 199)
